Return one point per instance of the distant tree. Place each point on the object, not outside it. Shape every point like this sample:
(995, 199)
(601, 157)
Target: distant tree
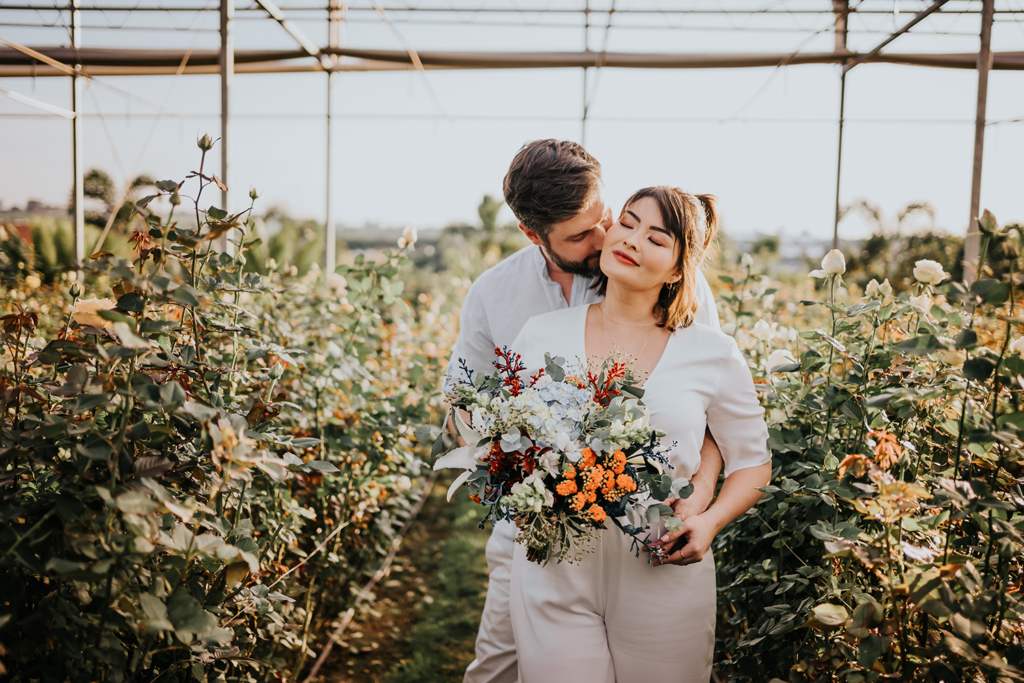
(97, 184)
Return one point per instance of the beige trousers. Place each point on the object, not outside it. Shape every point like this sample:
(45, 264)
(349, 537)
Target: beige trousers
(495, 647)
(614, 618)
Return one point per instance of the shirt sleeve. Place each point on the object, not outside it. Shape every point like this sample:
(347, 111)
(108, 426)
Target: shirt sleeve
(736, 417)
(475, 344)
(707, 309)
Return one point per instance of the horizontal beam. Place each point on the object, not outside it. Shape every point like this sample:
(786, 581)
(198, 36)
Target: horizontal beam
(490, 10)
(937, 5)
(103, 61)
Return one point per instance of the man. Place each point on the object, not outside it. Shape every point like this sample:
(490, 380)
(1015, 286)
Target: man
(554, 189)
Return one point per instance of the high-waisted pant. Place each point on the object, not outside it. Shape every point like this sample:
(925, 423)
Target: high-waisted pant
(613, 618)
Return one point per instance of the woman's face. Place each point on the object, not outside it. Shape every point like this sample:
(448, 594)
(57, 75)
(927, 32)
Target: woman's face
(638, 252)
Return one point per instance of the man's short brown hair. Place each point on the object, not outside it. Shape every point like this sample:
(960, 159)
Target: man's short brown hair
(551, 181)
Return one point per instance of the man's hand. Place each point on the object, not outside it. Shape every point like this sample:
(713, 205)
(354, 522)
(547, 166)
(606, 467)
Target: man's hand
(450, 423)
(697, 533)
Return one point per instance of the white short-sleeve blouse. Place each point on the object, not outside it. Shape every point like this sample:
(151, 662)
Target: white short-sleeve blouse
(701, 380)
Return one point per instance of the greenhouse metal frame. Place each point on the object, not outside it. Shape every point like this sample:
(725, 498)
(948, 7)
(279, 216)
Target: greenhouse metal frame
(80, 64)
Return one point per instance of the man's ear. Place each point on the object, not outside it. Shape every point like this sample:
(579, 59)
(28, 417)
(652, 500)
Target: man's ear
(531, 235)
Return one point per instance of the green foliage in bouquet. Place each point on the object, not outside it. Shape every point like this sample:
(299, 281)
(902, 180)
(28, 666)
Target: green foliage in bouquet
(197, 472)
(888, 545)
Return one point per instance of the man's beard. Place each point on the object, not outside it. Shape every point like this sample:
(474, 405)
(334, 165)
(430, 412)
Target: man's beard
(589, 267)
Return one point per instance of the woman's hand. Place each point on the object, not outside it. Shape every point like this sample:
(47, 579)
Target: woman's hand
(697, 532)
(739, 493)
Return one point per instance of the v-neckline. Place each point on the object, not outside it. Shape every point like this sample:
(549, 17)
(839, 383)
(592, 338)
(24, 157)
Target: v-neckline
(586, 357)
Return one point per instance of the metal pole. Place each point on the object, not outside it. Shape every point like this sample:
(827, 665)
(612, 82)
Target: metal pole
(78, 177)
(583, 122)
(973, 243)
(841, 9)
(839, 156)
(227, 70)
(336, 15)
(586, 47)
(330, 229)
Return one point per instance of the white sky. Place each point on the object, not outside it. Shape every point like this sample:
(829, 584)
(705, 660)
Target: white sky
(764, 139)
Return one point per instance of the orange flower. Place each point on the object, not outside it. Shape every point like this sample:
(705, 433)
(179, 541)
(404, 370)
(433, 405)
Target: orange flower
(597, 513)
(579, 501)
(566, 488)
(596, 477)
(887, 450)
(859, 464)
(625, 482)
(569, 473)
(618, 462)
(587, 459)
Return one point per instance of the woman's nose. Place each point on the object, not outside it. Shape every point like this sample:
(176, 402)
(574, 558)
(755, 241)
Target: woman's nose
(632, 239)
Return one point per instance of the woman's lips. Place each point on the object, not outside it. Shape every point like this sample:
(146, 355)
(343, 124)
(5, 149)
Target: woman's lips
(625, 259)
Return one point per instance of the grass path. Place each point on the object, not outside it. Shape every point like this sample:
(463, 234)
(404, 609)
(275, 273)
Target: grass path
(423, 623)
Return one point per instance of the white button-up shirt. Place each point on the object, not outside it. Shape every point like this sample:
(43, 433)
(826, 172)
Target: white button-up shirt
(505, 296)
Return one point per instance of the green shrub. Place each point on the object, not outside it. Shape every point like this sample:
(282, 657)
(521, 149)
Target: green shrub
(195, 480)
(888, 545)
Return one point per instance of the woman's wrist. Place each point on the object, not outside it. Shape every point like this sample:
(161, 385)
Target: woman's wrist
(714, 518)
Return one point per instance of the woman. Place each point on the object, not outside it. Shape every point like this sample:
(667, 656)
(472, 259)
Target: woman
(616, 617)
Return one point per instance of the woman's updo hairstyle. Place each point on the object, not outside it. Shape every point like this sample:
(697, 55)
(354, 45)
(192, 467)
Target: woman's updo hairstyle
(693, 221)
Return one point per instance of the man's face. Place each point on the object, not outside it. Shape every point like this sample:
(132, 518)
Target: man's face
(574, 245)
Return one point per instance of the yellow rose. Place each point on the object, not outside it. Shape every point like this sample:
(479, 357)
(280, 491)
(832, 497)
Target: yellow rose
(85, 312)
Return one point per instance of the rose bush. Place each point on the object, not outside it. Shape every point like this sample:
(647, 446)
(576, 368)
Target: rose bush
(888, 545)
(198, 471)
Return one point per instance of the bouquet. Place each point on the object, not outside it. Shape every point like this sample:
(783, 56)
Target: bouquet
(560, 453)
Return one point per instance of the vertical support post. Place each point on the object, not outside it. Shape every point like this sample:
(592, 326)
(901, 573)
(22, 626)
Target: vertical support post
(583, 120)
(336, 15)
(227, 71)
(586, 48)
(78, 177)
(841, 8)
(330, 234)
(839, 157)
(973, 242)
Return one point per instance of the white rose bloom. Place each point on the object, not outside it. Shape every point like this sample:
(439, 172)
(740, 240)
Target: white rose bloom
(549, 462)
(746, 261)
(1017, 346)
(763, 331)
(788, 334)
(336, 282)
(929, 272)
(885, 288)
(778, 357)
(573, 452)
(408, 238)
(834, 263)
(872, 289)
(922, 304)
(543, 381)
(776, 415)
